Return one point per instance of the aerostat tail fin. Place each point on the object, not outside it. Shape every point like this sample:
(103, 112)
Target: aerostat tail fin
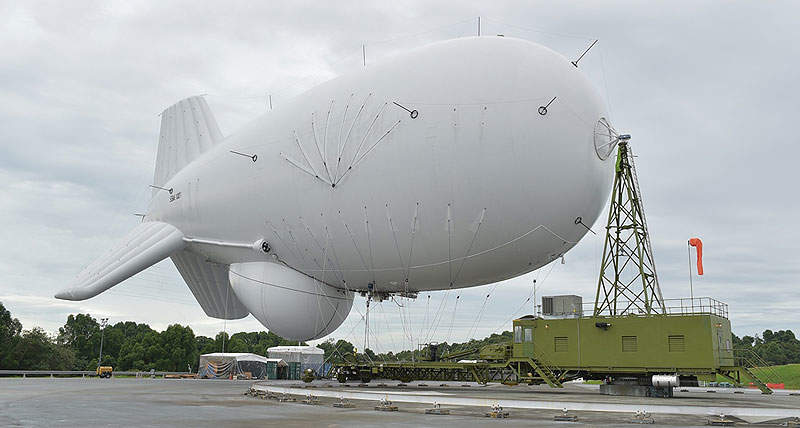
(188, 129)
(147, 244)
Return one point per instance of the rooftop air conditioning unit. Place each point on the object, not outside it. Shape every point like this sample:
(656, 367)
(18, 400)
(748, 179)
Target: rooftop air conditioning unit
(567, 306)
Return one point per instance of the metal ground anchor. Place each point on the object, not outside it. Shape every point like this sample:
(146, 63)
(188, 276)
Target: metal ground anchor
(310, 399)
(564, 416)
(642, 417)
(286, 398)
(344, 403)
(437, 410)
(497, 412)
(385, 406)
(720, 421)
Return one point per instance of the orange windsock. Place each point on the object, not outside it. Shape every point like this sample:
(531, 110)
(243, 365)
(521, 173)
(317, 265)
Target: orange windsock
(698, 244)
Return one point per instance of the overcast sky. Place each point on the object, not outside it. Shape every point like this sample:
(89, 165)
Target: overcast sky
(708, 89)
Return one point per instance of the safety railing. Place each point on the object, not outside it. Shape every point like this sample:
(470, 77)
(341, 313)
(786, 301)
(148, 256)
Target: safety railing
(677, 306)
(747, 358)
(696, 305)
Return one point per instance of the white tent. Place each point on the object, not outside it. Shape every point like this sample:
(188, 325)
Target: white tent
(224, 365)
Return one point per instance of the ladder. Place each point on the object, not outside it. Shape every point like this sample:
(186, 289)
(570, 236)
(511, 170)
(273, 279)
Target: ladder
(740, 375)
(543, 369)
(546, 373)
(744, 359)
(757, 381)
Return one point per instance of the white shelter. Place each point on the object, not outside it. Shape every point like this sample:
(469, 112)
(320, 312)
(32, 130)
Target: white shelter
(309, 357)
(225, 365)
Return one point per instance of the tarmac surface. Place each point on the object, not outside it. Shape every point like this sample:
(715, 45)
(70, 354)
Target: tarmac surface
(220, 403)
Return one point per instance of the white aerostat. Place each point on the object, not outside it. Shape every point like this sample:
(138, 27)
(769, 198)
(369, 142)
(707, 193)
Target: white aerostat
(458, 164)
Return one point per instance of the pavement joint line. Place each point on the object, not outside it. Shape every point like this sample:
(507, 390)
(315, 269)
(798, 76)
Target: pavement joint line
(407, 397)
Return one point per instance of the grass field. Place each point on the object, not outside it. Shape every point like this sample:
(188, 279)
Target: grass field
(788, 374)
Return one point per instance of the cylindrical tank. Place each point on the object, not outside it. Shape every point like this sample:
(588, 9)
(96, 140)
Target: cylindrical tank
(666, 380)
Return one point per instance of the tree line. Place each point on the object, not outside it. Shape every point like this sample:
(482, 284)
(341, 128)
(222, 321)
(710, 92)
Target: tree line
(130, 346)
(775, 347)
(336, 351)
(127, 346)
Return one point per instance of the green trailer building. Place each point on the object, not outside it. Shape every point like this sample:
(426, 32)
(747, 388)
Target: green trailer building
(689, 343)
(699, 343)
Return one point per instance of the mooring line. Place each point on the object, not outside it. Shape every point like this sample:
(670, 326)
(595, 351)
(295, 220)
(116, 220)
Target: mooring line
(339, 138)
(472, 242)
(366, 135)
(305, 156)
(275, 231)
(450, 244)
(325, 139)
(411, 245)
(394, 235)
(302, 168)
(319, 151)
(347, 138)
(375, 144)
(369, 242)
(316, 241)
(352, 238)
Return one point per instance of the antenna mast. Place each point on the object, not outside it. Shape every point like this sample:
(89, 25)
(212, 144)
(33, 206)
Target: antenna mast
(628, 283)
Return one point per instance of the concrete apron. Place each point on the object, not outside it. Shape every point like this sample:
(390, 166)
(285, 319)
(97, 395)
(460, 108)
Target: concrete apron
(749, 414)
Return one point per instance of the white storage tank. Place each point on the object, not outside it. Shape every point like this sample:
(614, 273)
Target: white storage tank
(309, 357)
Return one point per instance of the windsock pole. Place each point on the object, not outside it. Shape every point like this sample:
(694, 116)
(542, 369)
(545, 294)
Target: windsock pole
(698, 245)
(691, 287)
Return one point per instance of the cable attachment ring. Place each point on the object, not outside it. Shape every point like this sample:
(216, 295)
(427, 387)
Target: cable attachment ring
(413, 113)
(579, 220)
(543, 109)
(253, 157)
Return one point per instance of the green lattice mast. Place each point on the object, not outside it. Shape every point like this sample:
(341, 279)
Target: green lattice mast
(628, 282)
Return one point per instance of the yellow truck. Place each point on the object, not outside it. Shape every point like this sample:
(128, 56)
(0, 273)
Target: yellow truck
(104, 371)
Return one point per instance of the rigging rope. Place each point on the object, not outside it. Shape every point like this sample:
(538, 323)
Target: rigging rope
(452, 320)
(530, 296)
(471, 331)
(437, 314)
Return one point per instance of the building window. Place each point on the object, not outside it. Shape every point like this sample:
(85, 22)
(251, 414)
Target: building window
(529, 335)
(629, 344)
(676, 343)
(517, 334)
(560, 344)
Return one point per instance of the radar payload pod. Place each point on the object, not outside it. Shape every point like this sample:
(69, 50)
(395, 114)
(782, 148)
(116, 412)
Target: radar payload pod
(457, 164)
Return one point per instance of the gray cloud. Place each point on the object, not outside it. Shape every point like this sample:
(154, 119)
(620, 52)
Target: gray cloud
(707, 89)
